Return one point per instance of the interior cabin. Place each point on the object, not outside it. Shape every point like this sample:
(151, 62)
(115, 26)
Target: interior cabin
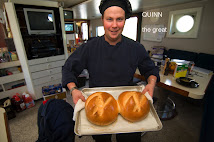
(38, 36)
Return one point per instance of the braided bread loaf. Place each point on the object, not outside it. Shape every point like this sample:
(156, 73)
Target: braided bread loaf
(101, 108)
(133, 106)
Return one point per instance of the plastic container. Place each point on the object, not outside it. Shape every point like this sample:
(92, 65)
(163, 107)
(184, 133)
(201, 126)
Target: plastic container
(58, 88)
(18, 103)
(28, 100)
(52, 89)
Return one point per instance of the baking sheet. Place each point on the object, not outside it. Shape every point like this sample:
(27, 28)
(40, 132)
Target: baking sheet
(84, 127)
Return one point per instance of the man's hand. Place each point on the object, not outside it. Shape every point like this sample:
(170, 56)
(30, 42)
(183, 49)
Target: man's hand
(76, 95)
(150, 86)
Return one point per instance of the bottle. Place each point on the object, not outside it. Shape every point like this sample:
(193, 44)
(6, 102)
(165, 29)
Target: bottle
(167, 69)
(166, 66)
(28, 100)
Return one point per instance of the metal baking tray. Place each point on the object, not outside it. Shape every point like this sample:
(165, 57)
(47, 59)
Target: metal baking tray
(84, 127)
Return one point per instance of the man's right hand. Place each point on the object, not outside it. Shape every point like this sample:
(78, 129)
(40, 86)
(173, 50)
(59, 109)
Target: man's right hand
(76, 95)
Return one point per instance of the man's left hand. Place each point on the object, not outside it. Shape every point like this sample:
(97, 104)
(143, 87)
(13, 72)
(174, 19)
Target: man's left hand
(149, 88)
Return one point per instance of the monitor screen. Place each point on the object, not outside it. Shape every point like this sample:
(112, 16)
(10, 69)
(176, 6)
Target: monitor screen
(40, 21)
(68, 14)
(69, 27)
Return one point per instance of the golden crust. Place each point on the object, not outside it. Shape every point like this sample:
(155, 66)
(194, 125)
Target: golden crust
(134, 106)
(101, 108)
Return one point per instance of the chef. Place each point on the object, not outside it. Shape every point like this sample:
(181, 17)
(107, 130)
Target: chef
(111, 60)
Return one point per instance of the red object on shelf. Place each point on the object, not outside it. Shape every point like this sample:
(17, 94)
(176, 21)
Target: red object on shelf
(8, 72)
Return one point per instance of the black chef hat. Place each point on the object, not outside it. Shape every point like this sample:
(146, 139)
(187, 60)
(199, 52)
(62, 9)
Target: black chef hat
(124, 4)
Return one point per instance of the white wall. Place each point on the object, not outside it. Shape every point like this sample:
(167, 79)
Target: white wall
(205, 41)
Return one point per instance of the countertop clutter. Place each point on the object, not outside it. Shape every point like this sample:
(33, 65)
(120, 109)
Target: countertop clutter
(202, 62)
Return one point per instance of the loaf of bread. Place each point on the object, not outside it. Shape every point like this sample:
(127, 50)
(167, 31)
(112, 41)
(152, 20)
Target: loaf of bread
(134, 106)
(101, 108)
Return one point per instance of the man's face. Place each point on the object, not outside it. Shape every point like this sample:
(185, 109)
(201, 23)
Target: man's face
(113, 22)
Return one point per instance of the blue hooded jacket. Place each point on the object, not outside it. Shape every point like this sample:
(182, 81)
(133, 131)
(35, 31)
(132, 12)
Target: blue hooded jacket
(55, 122)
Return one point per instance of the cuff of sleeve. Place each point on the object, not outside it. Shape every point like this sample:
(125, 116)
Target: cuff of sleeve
(65, 82)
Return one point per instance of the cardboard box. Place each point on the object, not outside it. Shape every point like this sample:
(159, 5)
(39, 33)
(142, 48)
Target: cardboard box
(61, 95)
(180, 70)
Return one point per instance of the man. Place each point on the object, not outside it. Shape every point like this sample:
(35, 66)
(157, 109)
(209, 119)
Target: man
(111, 60)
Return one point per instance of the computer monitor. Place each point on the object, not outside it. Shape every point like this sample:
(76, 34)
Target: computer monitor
(40, 21)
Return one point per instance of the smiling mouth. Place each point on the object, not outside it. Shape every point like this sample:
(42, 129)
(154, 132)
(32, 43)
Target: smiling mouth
(114, 32)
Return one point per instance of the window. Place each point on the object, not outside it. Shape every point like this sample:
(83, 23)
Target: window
(184, 23)
(84, 31)
(100, 31)
(130, 28)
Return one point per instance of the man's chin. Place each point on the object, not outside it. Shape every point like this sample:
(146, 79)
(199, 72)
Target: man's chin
(114, 36)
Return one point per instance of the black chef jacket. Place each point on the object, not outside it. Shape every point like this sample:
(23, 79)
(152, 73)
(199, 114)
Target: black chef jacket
(108, 65)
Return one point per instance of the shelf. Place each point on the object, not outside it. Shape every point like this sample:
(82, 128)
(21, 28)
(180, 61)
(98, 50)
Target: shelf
(10, 93)
(41, 35)
(8, 38)
(9, 64)
(11, 78)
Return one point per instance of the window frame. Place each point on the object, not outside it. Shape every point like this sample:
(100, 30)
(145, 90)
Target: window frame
(172, 31)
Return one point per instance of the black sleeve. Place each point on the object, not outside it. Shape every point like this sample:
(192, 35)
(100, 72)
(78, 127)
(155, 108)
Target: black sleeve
(146, 66)
(74, 65)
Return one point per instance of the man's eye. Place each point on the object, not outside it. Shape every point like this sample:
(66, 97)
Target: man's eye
(119, 19)
(109, 19)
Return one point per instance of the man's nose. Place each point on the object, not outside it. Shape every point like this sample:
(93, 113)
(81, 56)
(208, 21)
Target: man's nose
(114, 24)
